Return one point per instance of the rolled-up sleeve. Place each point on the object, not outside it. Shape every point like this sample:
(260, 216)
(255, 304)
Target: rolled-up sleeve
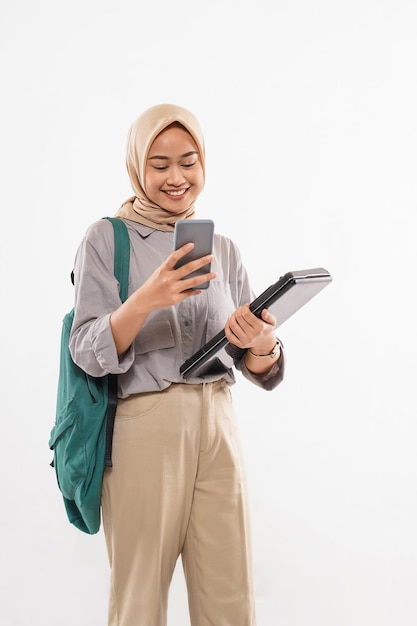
(93, 349)
(268, 380)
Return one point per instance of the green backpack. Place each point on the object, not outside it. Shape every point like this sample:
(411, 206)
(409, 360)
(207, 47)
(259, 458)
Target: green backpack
(81, 437)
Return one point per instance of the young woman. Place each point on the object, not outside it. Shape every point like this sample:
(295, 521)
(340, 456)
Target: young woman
(177, 485)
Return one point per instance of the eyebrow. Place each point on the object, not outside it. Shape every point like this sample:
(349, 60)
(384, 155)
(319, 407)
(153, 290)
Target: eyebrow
(183, 156)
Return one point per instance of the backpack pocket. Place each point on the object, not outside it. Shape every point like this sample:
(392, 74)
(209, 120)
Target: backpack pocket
(68, 443)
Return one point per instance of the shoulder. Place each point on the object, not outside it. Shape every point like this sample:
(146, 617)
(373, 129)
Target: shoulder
(97, 242)
(100, 234)
(99, 230)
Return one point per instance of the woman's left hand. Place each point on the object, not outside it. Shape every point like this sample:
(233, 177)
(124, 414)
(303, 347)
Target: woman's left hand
(244, 330)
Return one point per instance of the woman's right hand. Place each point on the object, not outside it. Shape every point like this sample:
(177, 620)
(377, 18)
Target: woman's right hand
(168, 286)
(165, 287)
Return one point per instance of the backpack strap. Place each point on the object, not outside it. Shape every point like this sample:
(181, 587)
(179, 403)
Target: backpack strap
(121, 272)
(121, 255)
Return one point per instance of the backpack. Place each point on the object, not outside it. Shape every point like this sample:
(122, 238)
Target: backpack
(81, 438)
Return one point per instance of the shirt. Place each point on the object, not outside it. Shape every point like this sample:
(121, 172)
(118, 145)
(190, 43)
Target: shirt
(169, 336)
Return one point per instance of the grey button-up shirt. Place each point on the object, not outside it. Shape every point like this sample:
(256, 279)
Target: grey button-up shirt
(169, 336)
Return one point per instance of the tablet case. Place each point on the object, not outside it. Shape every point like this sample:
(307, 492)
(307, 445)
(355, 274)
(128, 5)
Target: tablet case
(292, 291)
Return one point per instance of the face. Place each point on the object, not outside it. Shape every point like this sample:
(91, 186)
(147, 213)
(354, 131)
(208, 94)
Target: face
(173, 172)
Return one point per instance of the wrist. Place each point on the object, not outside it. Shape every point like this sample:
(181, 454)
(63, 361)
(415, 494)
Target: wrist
(272, 353)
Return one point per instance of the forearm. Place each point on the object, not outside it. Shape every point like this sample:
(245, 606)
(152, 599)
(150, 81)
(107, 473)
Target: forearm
(127, 321)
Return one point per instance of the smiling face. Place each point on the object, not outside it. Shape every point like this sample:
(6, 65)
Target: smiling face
(173, 172)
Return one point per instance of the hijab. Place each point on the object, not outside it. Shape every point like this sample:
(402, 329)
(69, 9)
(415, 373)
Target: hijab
(142, 133)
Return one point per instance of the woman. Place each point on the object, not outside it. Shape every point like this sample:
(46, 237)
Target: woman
(177, 485)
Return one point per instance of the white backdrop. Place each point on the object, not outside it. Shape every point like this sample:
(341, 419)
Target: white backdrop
(308, 109)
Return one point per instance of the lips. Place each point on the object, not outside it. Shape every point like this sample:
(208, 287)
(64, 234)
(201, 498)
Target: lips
(175, 193)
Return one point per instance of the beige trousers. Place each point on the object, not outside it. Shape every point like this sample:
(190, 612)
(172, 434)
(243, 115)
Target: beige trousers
(177, 487)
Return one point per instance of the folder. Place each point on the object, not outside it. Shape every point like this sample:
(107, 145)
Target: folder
(291, 292)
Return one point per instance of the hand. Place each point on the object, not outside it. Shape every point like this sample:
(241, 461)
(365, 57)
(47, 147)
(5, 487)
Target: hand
(244, 330)
(168, 286)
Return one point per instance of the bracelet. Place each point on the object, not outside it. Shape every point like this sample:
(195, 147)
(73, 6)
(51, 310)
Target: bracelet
(271, 354)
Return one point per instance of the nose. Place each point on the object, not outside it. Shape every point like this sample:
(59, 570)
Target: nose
(175, 176)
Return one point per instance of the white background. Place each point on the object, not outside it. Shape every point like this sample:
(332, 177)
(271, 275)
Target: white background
(309, 113)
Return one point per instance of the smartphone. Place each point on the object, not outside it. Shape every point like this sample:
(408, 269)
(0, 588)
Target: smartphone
(200, 233)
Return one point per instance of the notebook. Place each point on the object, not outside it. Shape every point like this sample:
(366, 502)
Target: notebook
(291, 292)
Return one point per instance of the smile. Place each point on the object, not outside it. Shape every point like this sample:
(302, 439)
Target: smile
(175, 194)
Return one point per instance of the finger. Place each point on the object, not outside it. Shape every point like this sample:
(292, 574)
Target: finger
(245, 324)
(243, 327)
(193, 282)
(246, 318)
(193, 266)
(238, 327)
(173, 262)
(177, 255)
(269, 318)
(231, 336)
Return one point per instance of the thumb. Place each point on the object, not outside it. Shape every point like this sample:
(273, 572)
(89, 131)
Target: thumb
(268, 317)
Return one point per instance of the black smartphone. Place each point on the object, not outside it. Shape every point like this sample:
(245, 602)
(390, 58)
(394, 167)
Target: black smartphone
(200, 233)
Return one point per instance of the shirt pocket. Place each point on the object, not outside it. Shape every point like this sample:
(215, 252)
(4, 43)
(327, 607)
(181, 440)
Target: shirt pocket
(157, 334)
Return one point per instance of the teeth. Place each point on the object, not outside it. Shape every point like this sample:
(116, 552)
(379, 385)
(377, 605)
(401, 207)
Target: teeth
(176, 193)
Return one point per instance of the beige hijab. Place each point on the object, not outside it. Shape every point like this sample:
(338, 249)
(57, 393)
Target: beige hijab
(142, 133)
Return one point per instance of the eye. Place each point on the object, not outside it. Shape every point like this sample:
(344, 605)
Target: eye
(188, 165)
(160, 168)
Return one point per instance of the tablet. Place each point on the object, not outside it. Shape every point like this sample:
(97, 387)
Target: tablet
(291, 292)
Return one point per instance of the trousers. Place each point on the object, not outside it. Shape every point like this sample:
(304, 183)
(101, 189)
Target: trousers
(178, 488)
